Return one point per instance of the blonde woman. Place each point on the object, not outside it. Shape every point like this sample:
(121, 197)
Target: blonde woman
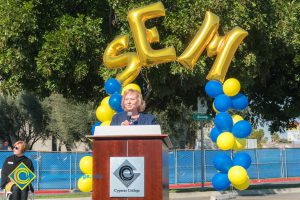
(133, 105)
(9, 165)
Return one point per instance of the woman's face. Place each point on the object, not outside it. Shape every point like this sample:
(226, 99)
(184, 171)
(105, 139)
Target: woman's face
(17, 150)
(131, 102)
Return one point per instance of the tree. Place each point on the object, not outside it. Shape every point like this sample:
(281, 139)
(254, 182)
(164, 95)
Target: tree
(259, 135)
(10, 122)
(283, 140)
(176, 120)
(275, 137)
(69, 121)
(50, 46)
(23, 117)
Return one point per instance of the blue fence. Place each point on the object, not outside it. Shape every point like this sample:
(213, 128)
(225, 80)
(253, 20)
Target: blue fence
(56, 170)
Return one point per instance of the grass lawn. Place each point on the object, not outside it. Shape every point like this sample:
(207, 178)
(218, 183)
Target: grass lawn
(71, 195)
(252, 187)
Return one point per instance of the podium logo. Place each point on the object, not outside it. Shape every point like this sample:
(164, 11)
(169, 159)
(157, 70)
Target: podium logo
(125, 173)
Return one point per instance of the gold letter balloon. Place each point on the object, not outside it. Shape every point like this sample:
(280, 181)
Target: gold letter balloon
(207, 37)
(143, 36)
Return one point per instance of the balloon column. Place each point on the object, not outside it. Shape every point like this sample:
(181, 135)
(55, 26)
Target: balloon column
(229, 133)
(85, 183)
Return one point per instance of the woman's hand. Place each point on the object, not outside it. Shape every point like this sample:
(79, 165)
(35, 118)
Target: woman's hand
(125, 123)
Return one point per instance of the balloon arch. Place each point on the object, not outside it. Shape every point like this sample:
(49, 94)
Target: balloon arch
(230, 131)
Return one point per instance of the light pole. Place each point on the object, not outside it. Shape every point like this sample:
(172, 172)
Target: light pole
(202, 116)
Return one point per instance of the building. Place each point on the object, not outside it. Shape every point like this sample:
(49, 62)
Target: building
(293, 133)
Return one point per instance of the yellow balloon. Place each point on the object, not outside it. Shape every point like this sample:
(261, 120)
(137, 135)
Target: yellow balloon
(86, 164)
(239, 144)
(236, 118)
(104, 113)
(131, 86)
(231, 87)
(85, 183)
(237, 175)
(214, 108)
(113, 60)
(105, 101)
(224, 47)
(243, 186)
(225, 141)
(131, 72)
(143, 36)
(204, 35)
(106, 123)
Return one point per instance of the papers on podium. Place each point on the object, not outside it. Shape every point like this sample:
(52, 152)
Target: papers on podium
(127, 130)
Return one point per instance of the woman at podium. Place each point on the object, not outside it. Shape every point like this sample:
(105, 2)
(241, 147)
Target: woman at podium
(133, 105)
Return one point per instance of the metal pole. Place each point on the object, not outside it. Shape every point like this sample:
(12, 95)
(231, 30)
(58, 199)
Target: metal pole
(285, 164)
(281, 164)
(205, 179)
(75, 166)
(257, 168)
(194, 166)
(176, 166)
(38, 170)
(70, 172)
(202, 156)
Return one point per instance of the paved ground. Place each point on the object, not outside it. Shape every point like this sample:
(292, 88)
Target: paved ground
(294, 196)
(289, 196)
(262, 194)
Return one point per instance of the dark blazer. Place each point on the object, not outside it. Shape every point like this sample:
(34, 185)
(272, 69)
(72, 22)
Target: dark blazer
(144, 119)
(10, 164)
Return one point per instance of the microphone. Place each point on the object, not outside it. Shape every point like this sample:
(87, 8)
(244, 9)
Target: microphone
(129, 114)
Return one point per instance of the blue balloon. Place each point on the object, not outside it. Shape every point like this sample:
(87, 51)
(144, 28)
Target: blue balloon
(222, 162)
(220, 181)
(222, 103)
(112, 86)
(214, 133)
(115, 101)
(94, 126)
(120, 110)
(223, 122)
(242, 159)
(213, 88)
(239, 102)
(242, 129)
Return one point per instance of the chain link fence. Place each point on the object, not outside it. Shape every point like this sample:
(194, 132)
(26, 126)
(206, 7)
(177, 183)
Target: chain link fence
(185, 165)
(60, 170)
(53, 170)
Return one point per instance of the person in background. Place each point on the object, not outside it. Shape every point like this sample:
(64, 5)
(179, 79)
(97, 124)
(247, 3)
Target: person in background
(9, 165)
(5, 145)
(133, 106)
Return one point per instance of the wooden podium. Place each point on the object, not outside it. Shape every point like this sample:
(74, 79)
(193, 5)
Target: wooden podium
(126, 142)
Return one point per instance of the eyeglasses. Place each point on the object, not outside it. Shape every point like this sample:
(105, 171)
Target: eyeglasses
(16, 148)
